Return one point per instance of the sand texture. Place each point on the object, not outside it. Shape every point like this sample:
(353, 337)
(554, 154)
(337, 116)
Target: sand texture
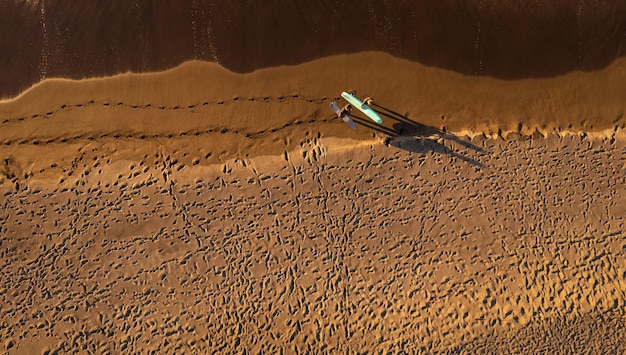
(137, 216)
(173, 180)
(382, 248)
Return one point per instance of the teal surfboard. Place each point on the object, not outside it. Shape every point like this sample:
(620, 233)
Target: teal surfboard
(362, 107)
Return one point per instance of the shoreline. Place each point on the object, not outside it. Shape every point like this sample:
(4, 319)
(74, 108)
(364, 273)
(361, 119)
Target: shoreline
(212, 115)
(482, 210)
(464, 36)
(433, 96)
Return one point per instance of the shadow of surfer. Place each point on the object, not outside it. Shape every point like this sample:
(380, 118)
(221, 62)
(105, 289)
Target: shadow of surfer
(416, 137)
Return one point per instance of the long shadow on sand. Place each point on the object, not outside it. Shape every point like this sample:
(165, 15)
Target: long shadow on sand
(416, 137)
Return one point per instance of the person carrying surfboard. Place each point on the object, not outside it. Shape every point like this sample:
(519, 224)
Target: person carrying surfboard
(363, 107)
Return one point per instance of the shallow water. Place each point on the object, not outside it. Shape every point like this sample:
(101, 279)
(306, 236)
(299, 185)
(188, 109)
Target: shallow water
(504, 39)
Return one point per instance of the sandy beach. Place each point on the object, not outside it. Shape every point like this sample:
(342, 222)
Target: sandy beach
(332, 247)
(201, 204)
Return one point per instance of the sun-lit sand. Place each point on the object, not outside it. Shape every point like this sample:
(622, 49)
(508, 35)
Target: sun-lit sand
(173, 180)
(198, 210)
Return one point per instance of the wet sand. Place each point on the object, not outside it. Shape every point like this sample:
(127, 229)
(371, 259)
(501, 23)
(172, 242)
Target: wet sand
(197, 209)
(501, 39)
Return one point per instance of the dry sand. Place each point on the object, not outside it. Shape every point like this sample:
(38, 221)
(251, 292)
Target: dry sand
(199, 210)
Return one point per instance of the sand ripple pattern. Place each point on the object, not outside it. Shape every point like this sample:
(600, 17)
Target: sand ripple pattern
(388, 250)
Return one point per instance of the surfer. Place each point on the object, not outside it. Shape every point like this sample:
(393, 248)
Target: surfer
(343, 114)
(362, 106)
